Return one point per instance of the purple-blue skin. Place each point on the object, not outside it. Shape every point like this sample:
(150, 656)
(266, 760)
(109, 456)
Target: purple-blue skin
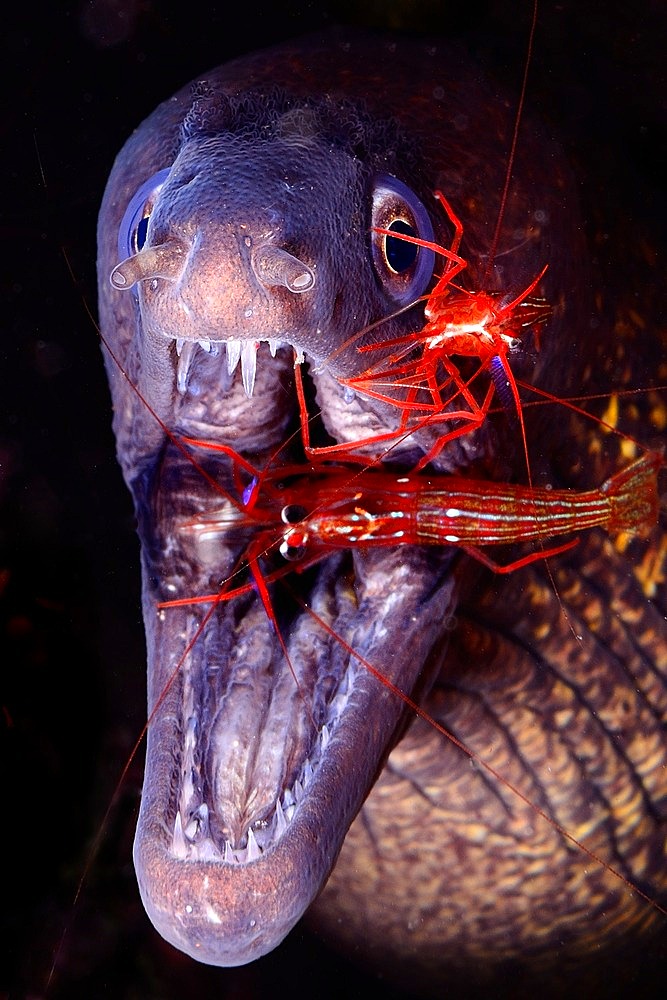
(259, 186)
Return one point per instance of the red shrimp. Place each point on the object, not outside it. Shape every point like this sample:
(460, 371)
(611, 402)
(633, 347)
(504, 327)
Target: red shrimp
(311, 512)
(479, 324)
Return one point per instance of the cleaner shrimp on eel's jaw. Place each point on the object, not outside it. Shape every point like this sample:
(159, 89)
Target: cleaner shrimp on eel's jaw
(237, 219)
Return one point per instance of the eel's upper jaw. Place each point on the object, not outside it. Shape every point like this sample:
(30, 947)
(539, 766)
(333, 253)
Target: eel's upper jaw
(251, 783)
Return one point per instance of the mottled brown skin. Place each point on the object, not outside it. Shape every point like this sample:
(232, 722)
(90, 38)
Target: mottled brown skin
(443, 868)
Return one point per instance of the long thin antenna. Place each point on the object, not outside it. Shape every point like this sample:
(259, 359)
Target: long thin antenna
(512, 155)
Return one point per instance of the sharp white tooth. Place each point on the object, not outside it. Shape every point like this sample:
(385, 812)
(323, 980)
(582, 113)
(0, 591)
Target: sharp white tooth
(249, 366)
(298, 790)
(205, 345)
(233, 355)
(191, 734)
(273, 346)
(324, 736)
(229, 854)
(253, 852)
(178, 844)
(184, 364)
(179, 345)
(298, 357)
(307, 773)
(281, 822)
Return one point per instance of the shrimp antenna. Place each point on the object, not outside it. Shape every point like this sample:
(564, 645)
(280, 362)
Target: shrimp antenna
(512, 154)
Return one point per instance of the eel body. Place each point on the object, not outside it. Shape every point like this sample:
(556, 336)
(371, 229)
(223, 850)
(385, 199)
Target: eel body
(237, 225)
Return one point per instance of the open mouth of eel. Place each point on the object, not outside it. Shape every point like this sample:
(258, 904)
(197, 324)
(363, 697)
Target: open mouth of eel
(265, 736)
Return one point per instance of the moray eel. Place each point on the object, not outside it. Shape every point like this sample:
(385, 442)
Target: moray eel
(235, 234)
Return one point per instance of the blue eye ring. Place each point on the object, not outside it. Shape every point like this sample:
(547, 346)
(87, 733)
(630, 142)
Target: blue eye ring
(132, 230)
(403, 269)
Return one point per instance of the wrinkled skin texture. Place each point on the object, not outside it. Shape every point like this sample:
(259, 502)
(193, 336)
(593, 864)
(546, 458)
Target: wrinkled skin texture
(478, 833)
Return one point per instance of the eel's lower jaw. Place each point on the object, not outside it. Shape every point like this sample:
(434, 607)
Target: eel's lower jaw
(252, 779)
(238, 832)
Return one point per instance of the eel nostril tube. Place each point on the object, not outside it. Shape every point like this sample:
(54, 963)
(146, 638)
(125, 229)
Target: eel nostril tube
(273, 266)
(164, 261)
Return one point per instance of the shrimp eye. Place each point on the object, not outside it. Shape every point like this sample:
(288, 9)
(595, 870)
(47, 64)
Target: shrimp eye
(403, 268)
(294, 545)
(292, 513)
(292, 553)
(133, 228)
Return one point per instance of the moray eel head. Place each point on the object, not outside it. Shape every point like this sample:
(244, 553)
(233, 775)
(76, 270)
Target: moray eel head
(237, 232)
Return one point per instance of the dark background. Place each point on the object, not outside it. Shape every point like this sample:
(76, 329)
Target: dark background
(79, 77)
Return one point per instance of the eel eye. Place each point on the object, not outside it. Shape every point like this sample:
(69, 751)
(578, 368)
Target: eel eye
(133, 228)
(404, 269)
